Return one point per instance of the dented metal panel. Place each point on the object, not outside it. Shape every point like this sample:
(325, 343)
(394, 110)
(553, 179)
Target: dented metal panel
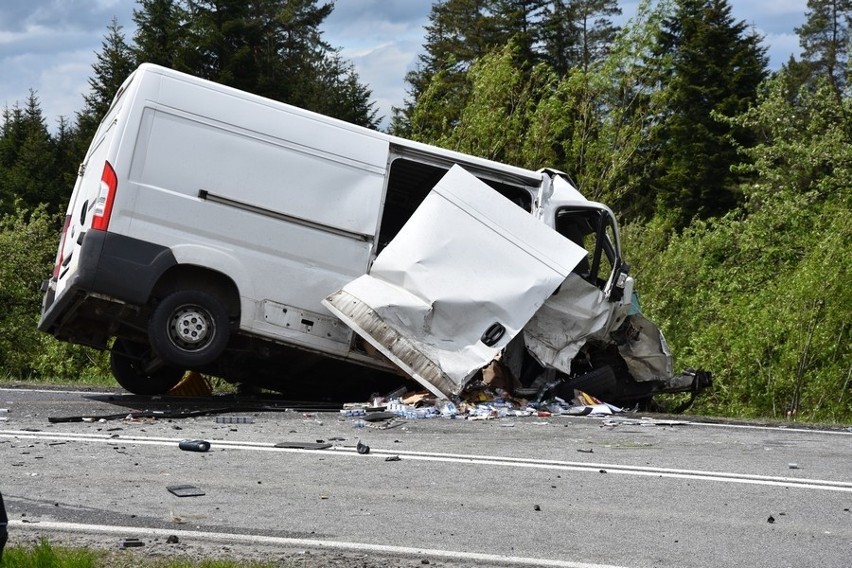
(467, 261)
(569, 318)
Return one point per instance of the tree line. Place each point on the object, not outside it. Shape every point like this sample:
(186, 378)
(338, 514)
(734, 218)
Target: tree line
(730, 180)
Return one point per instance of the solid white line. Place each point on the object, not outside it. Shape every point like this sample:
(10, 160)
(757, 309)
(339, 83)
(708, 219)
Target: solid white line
(774, 428)
(59, 391)
(468, 459)
(308, 543)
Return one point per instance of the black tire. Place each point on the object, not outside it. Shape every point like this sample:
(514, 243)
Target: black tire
(601, 383)
(130, 363)
(189, 329)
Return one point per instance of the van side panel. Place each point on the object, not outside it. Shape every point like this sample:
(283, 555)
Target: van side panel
(290, 219)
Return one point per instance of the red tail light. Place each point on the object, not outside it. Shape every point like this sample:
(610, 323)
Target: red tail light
(60, 255)
(106, 196)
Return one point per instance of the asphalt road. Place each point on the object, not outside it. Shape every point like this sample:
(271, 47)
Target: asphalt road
(560, 491)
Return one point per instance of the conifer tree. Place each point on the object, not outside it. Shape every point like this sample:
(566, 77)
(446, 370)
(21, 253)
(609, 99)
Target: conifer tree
(459, 32)
(825, 38)
(577, 32)
(158, 38)
(715, 67)
(114, 62)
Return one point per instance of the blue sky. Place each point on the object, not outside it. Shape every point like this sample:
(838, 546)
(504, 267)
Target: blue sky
(50, 45)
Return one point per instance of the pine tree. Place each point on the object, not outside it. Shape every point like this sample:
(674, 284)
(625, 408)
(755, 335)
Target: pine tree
(825, 38)
(577, 32)
(27, 160)
(273, 48)
(158, 38)
(520, 22)
(459, 32)
(114, 63)
(715, 68)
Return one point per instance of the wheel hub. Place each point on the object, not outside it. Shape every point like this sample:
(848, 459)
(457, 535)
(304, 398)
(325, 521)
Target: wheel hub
(191, 327)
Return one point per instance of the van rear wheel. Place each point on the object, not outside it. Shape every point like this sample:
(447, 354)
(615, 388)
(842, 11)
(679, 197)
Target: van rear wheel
(134, 369)
(189, 329)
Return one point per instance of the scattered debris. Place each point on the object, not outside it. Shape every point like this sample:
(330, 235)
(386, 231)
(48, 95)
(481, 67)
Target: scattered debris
(392, 459)
(793, 465)
(362, 449)
(193, 383)
(536, 507)
(173, 539)
(185, 490)
(304, 445)
(132, 543)
(770, 520)
(194, 445)
(234, 420)
(583, 451)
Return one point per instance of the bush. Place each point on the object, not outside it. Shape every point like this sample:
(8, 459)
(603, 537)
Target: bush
(28, 241)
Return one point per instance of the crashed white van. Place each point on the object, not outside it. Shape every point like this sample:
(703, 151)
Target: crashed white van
(214, 230)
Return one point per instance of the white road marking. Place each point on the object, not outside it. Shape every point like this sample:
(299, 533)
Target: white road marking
(430, 553)
(468, 459)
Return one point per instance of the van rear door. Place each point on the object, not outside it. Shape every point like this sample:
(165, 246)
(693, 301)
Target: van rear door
(89, 196)
(456, 284)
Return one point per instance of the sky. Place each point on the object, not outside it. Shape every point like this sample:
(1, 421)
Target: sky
(50, 45)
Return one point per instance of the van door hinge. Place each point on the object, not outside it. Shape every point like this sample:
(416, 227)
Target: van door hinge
(81, 170)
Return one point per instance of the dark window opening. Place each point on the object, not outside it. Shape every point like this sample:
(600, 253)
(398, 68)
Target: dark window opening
(410, 182)
(593, 230)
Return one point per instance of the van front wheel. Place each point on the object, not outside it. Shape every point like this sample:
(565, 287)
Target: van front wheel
(189, 329)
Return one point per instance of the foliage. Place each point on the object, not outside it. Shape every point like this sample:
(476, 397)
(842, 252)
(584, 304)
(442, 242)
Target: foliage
(45, 555)
(273, 48)
(714, 68)
(28, 241)
(760, 296)
(825, 38)
(114, 63)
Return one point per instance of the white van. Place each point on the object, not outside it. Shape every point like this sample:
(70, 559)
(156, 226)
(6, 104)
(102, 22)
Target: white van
(215, 230)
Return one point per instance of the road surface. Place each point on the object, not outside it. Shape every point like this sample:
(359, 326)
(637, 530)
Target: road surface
(624, 492)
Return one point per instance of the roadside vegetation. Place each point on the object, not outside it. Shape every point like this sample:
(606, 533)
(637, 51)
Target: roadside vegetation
(731, 181)
(46, 555)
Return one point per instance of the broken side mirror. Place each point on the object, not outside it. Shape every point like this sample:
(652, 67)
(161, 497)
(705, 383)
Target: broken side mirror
(621, 285)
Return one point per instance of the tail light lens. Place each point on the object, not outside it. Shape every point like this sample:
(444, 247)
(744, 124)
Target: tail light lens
(60, 255)
(106, 196)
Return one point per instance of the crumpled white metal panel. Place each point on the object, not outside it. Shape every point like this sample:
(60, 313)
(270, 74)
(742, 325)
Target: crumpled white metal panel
(468, 258)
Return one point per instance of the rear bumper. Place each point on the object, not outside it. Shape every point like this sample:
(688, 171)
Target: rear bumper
(110, 268)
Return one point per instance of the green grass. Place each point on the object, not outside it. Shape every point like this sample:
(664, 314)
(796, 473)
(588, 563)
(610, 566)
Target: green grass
(45, 555)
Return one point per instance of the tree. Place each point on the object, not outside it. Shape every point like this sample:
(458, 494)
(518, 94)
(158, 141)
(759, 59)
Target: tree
(459, 32)
(577, 32)
(113, 64)
(272, 48)
(159, 38)
(28, 174)
(520, 22)
(714, 68)
(825, 38)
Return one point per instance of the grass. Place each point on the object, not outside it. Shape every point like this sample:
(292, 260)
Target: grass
(45, 555)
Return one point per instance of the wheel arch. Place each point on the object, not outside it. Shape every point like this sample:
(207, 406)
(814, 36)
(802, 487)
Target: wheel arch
(201, 278)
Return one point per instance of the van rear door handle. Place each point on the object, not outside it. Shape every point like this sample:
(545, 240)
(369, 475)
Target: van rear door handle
(493, 334)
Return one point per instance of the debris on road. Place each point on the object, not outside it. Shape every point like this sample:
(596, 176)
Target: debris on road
(185, 491)
(303, 445)
(132, 543)
(362, 449)
(194, 445)
(234, 420)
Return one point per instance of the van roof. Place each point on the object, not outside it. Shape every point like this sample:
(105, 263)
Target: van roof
(414, 147)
